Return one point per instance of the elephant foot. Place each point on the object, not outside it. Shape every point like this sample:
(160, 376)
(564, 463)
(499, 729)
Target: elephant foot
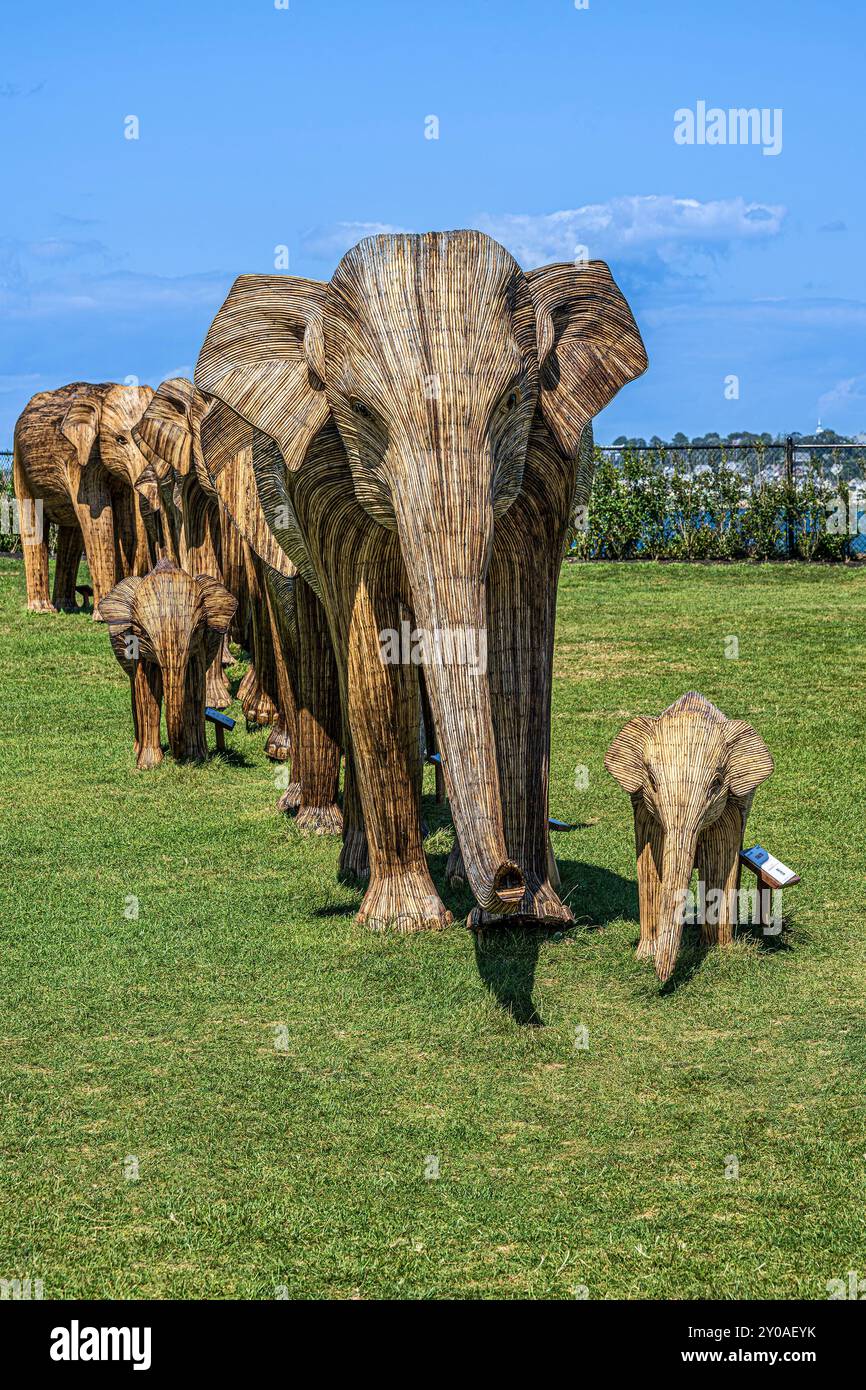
(278, 746)
(248, 680)
(354, 857)
(217, 693)
(404, 903)
(259, 708)
(291, 798)
(646, 948)
(320, 820)
(455, 873)
(40, 605)
(540, 906)
(148, 758)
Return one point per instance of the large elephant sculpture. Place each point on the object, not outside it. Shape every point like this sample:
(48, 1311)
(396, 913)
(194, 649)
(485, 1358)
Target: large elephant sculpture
(427, 406)
(691, 774)
(165, 629)
(74, 453)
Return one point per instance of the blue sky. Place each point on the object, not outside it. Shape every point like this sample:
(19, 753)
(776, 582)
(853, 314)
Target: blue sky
(305, 127)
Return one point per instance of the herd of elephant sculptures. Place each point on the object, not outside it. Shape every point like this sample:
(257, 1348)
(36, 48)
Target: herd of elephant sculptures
(399, 450)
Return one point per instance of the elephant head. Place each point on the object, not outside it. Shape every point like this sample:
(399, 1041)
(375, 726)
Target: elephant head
(430, 354)
(176, 622)
(107, 415)
(169, 438)
(687, 771)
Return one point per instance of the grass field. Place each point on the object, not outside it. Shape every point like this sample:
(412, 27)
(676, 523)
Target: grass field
(301, 1163)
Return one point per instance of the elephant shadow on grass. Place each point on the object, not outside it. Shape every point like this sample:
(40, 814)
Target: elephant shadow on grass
(506, 957)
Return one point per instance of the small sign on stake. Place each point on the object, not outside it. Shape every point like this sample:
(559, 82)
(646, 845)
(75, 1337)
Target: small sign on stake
(772, 875)
(768, 867)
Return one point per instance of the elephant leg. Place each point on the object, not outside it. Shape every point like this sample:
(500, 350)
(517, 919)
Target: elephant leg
(95, 515)
(248, 680)
(70, 546)
(455, 871)
(146, 714)
(282, 743)
(317, 760)
(234, 575)
(521, 614)
(218, 693)
(260, 704)
(354, 856)
(649, 843)
(202, 553)
(33, 528)
(384, 718)
(718, 863)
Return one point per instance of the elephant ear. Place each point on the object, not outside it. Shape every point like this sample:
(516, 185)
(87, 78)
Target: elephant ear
(278, 508)
(80, 426)
(229, 447)
(624, 759)
(163, 434)
(588, 344)
(749, 760)
(584, 474)
(220, 605)
(115, 609)
(264, 357)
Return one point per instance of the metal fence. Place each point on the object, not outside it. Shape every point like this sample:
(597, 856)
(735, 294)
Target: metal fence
(701, 501)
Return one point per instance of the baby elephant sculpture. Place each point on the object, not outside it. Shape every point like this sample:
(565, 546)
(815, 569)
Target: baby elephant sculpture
(691, 774)
(166, 629)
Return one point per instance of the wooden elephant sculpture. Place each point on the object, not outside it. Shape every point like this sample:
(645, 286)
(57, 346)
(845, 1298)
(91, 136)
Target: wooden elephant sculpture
(427, 407)
(74, 453)
(293, 635)
(186, 522)
(691, 774)
(200, 496)
(165, 629)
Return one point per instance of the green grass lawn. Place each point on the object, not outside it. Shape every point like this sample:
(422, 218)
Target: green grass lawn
(158, 1037)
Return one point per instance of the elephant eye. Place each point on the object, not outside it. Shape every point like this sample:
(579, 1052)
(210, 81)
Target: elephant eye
(716, 787)
(512, 401)
(121, 439)
(361, 410)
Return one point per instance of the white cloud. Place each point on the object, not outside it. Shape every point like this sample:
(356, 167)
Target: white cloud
(636, 228)
(850, 390)
(660, 236)
(121, 291)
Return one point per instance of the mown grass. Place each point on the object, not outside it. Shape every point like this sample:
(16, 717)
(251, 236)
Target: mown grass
(158, 1037)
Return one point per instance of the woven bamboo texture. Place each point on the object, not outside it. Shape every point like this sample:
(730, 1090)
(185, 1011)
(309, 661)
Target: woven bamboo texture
(74, 453)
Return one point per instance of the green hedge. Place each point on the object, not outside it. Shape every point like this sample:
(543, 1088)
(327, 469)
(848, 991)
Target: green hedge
(643, 507)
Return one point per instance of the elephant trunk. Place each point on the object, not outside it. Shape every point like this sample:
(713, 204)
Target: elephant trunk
(449, 612)
(679, 861)
(184, 712)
